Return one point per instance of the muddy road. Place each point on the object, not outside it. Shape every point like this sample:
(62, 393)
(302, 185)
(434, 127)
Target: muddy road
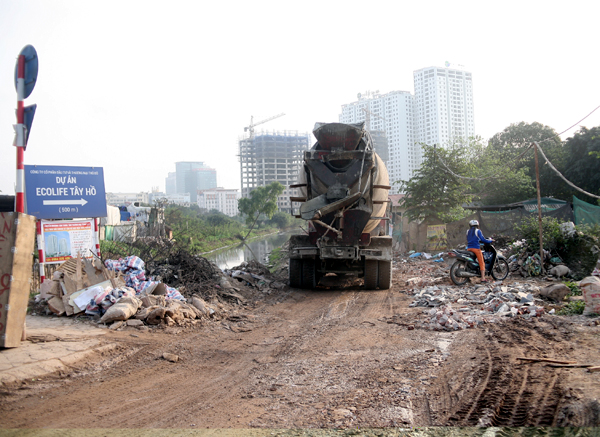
(326, 358)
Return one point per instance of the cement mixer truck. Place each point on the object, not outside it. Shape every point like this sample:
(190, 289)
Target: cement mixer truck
(343, 189)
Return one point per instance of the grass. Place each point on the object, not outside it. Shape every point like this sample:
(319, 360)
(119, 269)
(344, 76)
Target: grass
(572, 308)
(575, 290)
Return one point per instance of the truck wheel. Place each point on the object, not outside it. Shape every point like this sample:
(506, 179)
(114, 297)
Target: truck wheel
(309, 274)
(385, 275)
(295, 273)
(371, 274)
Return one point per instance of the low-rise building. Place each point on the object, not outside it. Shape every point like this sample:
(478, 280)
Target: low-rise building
(119, 199)
(170, 199)
(221, 199)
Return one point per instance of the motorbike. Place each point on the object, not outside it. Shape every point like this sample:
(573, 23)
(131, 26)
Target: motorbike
(466, 265)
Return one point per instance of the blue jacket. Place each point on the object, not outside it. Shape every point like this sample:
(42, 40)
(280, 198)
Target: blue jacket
(474, 236)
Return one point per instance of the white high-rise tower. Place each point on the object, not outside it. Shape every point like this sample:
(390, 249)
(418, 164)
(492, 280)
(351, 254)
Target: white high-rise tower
(392, 113)
(443, 105)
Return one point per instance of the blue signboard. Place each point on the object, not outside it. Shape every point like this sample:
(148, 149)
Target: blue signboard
(53, 192)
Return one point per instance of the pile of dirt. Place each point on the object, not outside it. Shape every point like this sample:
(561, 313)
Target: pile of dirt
(190, 274)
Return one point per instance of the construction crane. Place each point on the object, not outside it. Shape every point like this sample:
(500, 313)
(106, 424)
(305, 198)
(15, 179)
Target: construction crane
(252, 124)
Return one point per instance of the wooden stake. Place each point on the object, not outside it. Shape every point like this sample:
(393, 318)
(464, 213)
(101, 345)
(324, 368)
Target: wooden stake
(539, 203)
(546, 360)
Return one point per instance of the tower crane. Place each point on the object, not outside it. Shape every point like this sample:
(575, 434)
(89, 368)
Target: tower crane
(252, 124)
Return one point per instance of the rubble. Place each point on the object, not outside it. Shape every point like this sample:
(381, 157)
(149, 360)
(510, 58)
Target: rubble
(121, 293)
(453, 308)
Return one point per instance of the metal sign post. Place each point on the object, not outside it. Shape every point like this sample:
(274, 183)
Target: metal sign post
(26, 71)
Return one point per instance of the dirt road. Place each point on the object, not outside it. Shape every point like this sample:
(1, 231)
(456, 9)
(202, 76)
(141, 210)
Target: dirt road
(341, 357)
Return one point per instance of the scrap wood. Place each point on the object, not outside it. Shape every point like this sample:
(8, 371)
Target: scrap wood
(570, 366)
(594, 369)
(78, 275)
(546, 360)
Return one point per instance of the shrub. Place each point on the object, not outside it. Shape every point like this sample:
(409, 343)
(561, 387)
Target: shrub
(572, 308)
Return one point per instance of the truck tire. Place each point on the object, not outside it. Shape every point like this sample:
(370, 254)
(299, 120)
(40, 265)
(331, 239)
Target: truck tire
(384, 280)
(371, 274)
(295, 273)
(309, 274)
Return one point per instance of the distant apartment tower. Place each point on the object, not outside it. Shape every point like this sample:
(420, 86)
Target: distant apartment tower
(221, 199)
(393, 114)
(193, 176)
(269, 157)
(443, 105)
(171, 183)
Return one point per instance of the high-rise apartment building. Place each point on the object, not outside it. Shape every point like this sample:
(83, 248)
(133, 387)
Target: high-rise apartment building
(392, 113)
(193, 176)
(443, 105)
(269, 157)
(440, 111)
(171, 183)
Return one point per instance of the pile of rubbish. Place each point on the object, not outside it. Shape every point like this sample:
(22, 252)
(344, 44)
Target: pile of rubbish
(119, 290)
(126, 291)
(453, 308)
(190, 274)
(254, 274)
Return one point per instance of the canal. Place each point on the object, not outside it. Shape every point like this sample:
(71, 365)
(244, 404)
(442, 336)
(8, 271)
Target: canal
(257, 250)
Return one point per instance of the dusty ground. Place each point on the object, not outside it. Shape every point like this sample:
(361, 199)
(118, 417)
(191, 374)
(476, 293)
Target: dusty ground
(328, 358)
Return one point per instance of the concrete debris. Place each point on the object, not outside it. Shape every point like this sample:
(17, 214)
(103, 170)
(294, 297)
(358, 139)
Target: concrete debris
(555, 292)
(559, 271)
(253, 274)
(170, 357)
(450, 307)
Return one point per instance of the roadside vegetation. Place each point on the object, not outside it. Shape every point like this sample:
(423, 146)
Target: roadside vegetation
(198, 232)
(501, 171)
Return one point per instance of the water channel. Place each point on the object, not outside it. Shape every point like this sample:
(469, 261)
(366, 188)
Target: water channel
(257, 249)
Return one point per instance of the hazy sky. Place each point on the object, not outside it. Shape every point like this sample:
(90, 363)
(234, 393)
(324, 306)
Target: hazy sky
(134, 86)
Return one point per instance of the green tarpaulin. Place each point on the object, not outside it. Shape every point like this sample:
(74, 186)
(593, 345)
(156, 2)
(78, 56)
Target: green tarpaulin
(585, 213)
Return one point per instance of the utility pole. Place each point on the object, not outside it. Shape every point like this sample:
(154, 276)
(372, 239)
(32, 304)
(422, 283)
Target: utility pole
(539, 205)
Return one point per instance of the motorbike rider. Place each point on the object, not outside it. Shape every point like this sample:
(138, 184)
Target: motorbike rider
(474, 237)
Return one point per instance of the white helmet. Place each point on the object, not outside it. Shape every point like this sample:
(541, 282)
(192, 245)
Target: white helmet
(473, 223)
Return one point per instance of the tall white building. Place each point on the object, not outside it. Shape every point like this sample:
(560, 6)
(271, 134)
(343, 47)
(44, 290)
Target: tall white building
(393, 113)
(444, 105)
(440, 111)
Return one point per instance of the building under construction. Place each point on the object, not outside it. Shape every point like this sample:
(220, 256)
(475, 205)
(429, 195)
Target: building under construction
(272, 156)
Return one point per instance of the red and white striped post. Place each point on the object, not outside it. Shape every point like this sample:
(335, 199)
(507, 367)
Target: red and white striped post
(20, 203)
(97, 237)
(40, 251)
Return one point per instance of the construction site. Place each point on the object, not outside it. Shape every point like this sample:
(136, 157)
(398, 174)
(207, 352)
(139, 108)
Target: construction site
(274, 156)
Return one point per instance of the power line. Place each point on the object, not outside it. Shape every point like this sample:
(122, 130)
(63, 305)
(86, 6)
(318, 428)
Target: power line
(571, 184)
(523, 153)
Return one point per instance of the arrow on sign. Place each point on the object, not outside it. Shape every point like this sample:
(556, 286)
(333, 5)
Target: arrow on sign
(65, 202)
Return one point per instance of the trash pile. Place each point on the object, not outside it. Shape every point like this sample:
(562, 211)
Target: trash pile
(118, 291)
(254, 274)
(190, 274)
(453, 308)
(177, 291)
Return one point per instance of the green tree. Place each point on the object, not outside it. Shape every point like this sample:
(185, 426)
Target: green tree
(262, 200)
(498, 183)
(281, 219)
(435, 191)
(513, 141)
(582, 167)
